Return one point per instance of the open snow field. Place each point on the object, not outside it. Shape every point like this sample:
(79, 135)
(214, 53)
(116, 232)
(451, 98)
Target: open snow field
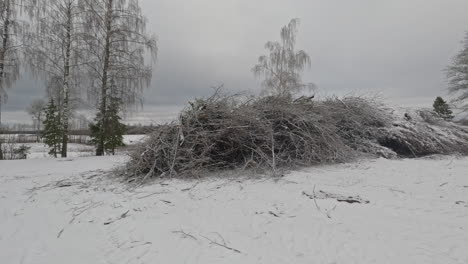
(66, 211)
(40, 150)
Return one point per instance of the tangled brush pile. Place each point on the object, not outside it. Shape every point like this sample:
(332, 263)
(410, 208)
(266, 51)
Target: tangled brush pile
(234, 132)
(230, 132)
(423, 133)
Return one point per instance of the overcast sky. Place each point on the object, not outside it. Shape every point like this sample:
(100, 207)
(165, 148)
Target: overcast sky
(397, 48)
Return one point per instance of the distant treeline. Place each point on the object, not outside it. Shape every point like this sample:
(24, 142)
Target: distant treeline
(131, 130)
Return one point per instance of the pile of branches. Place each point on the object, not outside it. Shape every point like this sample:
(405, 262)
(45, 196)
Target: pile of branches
(422, 133)
(234, 132)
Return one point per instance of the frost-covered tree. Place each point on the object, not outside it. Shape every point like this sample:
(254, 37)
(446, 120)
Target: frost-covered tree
(10, 44)
(56, 52)
(442, 108)
(457, 74)
(283, 66)
(118, 44)
(52, 133)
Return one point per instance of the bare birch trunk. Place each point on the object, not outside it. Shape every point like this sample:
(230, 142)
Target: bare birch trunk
(66, 84)
(6, 35)
(100, 149)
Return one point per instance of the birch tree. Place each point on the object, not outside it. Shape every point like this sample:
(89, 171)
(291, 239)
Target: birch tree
(35, 110)
(283, 66)
(457, 74)
(10, 29)
(56, 53)
(119, 45)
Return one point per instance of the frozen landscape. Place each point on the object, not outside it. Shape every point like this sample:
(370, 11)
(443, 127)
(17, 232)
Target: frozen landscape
(74, 211)
(233, 132)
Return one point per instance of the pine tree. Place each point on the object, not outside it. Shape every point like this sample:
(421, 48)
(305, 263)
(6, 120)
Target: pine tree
(443, 109)
(115, 128)
(108, 128)
(98, 133)
(52, 133)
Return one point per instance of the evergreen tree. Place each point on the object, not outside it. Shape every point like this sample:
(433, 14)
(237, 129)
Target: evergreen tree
(115, 128)
(52, 133)
(108, 128)
(98, 133)
(443, 109)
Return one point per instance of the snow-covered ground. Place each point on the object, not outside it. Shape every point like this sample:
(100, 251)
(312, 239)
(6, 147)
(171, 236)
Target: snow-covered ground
(133, 139)
(40, 150)
(67, 211)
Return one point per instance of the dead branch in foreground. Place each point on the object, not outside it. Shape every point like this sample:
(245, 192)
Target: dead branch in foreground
(122, 216)
(213, 242)
(340, 198)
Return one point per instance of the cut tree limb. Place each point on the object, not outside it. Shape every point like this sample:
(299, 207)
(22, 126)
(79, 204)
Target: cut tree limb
(340, 198)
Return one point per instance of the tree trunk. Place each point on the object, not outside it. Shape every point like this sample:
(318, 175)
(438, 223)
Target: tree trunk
(66, 85)
(6, 36)
(1, 98)
(39, 127)
(102, 135)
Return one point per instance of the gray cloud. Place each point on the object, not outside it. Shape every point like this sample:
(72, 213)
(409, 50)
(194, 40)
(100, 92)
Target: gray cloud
(397, 47)
(23, 93)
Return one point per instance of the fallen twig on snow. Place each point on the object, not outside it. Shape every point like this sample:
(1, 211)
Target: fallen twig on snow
(340, 198)
(63, 184)
(149, 195)
(77, 211)
(396, 190)
(60, 233)
(273, 214)
(184, 234)
(124, 215)
(222, 245)
(327, 213)
(315, 201)
(190, 188)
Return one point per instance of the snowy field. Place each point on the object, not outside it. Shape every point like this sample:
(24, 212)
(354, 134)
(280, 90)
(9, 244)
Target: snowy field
(67, 211)
(40, 150)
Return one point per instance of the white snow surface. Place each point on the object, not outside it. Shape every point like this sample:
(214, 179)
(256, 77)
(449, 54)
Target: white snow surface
(40, 150)
(68, 211)
(133, 139)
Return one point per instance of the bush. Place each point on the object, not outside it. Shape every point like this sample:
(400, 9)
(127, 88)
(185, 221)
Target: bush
(9, 149)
